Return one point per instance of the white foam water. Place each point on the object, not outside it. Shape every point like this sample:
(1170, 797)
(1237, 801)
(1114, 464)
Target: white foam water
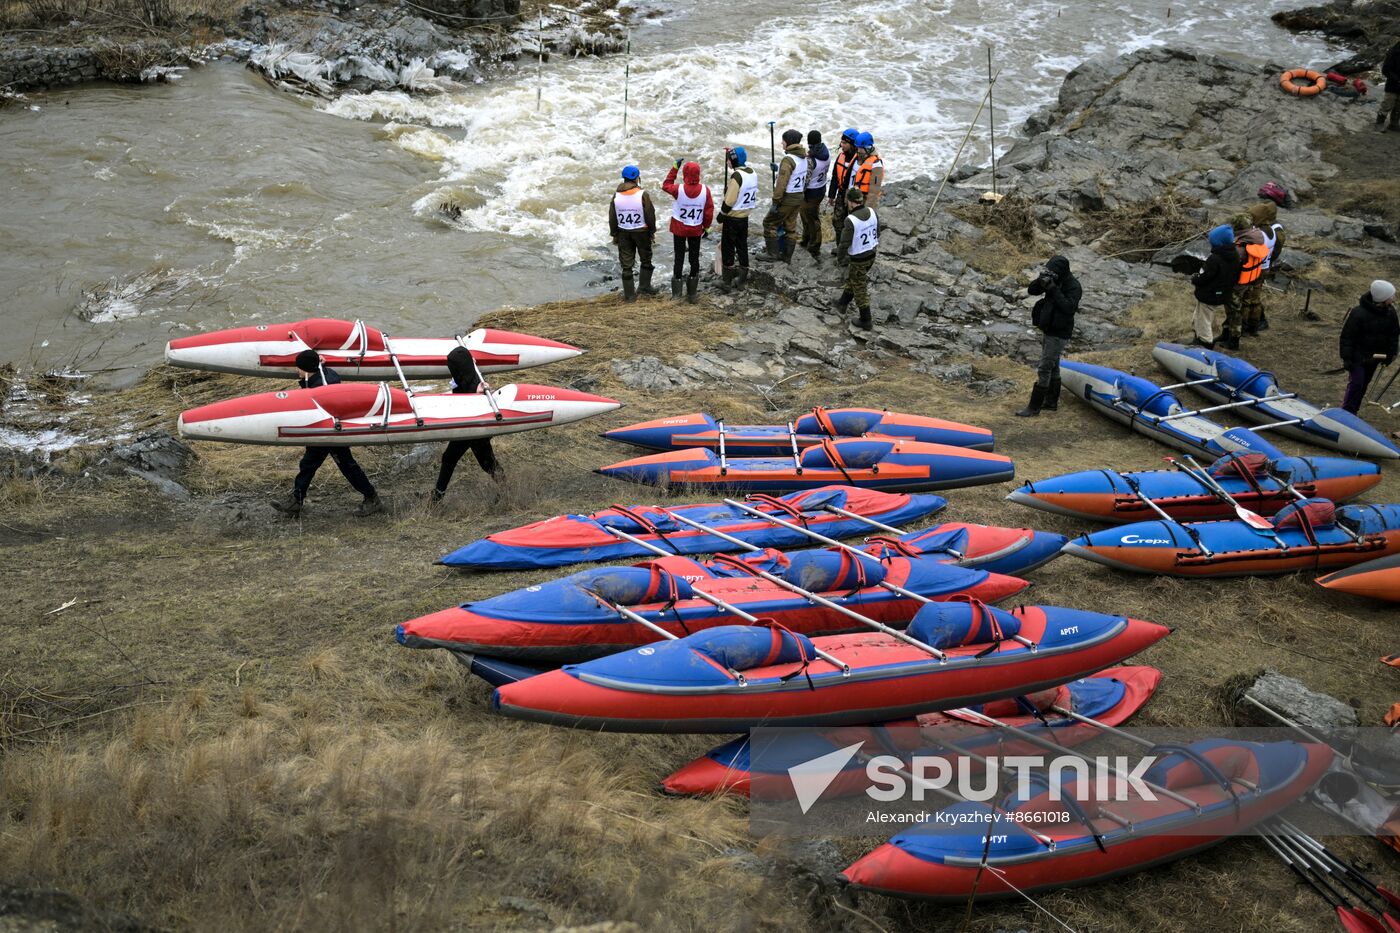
(910, 71)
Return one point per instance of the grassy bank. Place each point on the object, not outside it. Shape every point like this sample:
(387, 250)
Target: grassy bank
(218, 732)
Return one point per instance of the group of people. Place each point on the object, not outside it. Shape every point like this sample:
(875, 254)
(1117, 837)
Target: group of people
(312, 373)
(1244, 256)
(802, 179)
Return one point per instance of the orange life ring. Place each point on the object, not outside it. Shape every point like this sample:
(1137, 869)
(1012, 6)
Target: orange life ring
(1313, 83)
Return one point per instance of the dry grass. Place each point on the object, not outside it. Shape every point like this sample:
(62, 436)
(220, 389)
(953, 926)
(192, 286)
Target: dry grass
(143, 15)
(293, 768)
(1136, 230)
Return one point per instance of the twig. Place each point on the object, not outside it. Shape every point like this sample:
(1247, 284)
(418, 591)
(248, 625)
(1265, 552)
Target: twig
(862, 916)
(69, 722)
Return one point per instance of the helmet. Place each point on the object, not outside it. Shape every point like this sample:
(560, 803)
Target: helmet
(865, 141)
(850, 135)
(631, 173)
(740, 155)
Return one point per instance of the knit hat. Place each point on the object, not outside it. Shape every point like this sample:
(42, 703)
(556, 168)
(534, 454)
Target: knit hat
(1382, 291)
(792, 137)
(855, 196)
(1222, 235)
(308, 361)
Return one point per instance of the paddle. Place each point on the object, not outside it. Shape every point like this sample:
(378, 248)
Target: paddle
(1387, 897)
(1347, 915)
(1195, 471)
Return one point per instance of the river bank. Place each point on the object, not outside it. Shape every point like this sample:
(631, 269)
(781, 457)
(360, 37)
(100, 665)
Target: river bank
(207, 723)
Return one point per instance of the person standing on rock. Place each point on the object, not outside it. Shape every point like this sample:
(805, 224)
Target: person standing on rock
(312, 375)
(1265, 217)
(691, 216)
(1390, 103)
(740, 197)
(1215, 282)
(843, 170)
(1054, 315)
(869, 176)
(858, 243)
(632, 220)
(1370, 336)
(818, 159)
(1248, 297)
(466, 379)
(789, 194)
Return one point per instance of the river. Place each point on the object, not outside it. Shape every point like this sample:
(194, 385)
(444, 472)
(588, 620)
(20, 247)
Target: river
(132, 214)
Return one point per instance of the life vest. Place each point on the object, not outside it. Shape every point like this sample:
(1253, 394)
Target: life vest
(689, 210)
(631, 213)
(797, 181)
(1271, 241)
(841, 170)
(865, 170)
(865, 234)
(1256, 259)
(747, 199)
(816, 172)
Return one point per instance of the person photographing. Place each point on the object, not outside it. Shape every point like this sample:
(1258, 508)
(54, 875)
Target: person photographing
(1053, 314)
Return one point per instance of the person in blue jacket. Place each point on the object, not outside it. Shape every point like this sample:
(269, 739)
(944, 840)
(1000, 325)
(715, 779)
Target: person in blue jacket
(313, 375)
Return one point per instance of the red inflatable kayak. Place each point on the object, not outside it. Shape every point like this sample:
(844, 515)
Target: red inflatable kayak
(1111, 697)
(686, 432)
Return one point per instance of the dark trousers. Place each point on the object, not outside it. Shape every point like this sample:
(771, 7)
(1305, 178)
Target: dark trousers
(315, 456)
(838, 215)
(812, 224)
(1358, 379)
(684, 245)
(633, 245)
(480, 448)
(734, 241)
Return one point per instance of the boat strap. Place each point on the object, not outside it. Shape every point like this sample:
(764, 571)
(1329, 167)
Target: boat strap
(834, 455)
(1075, 810)
(1030, 709)
(1138, 411)
(1208, 768)
(802, 665)
(894, 544)
(787, 508)
(673, 595)
(824, 422)
(729, 560)
(1243, 387)
(645, 524)
(1242, 468)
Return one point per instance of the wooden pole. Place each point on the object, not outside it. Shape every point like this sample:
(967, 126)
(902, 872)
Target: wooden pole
(539, 66)
(626, 83)
(992, 117)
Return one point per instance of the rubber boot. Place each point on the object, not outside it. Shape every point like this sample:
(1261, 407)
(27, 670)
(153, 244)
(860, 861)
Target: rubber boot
(1051, 402)
(864, 322)
(816, 253)
(1229, 340)
(629, 288)
(291, 505)
(1380, 119)
(727, 278)
(1250, 329)
(692, 285)
(645, 287)
(1394, 119)
(844, 301)
(788, 249)
(770, 250)
(675, 286)
(742, 277)
(370, 506)
(1034, 405)
(1263, 323)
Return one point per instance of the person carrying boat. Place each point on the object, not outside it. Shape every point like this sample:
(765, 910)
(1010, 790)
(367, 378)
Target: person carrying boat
(869, 174)
(466, 379)
(1265, 217)
(691, 216)
(632, 220)
(1370, 337)
(1254, 260)
(312, 375)
(818, 159)
(1390, 102)
(1214, 283)
(1054, 315)
(859, 241)
(843, 169)
(789, 194)
(740, 197)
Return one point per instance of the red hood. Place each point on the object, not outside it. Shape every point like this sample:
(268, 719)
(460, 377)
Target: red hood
(691, 173)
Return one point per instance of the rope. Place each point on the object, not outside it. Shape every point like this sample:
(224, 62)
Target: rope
(1002, 875)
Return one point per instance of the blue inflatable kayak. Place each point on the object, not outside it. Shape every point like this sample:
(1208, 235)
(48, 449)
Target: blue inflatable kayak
(1155, 412)
(1222, 379)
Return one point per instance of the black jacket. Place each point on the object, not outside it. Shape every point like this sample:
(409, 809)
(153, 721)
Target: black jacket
(1391, 69)
(1369, 328)
(1054, 313)
(315, 382)
(1218, 276)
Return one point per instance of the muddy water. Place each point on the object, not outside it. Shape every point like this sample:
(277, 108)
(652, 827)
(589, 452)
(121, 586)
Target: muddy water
(128, 215)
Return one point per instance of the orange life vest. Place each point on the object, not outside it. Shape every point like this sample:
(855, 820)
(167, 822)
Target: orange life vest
(865, 170)
(841, 169)
(1255, 256)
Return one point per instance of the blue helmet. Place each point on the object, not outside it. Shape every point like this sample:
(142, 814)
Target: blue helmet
(865, 141)
(631, 173)
(850, 135)
(1222, 235)
(740, 154)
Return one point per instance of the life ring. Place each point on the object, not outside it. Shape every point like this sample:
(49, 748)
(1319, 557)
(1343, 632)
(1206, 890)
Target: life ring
(1313, 83)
